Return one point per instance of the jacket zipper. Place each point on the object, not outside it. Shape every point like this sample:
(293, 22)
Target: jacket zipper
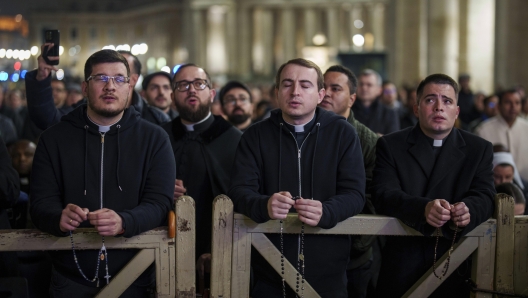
(299, 170)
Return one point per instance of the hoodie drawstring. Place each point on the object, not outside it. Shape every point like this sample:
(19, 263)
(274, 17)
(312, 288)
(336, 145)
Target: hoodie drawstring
(118, 157)
(313, 157)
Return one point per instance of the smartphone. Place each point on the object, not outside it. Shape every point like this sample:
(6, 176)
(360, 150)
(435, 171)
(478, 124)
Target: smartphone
(52, 36)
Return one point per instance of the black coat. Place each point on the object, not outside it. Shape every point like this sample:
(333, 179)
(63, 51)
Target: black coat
(406, 178)
(332, 172)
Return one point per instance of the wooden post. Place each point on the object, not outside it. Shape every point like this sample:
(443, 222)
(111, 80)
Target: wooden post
(185, 252)
(222, 247)
(504, 206)
(241, 260)
(520, 265)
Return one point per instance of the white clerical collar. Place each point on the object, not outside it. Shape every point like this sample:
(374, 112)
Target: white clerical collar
(190, 127)
(103, 128)
(300, 127)
(438, 143)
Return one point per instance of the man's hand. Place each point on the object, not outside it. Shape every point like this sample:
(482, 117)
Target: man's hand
(107, 222)
(203, 265)
(179, 189)
(279, 205)
(460, 214)
(437, 212)
(310, 211)
(45, 69)
(71, 217)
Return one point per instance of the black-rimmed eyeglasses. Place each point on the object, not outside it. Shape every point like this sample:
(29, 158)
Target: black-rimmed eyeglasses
(185, 85)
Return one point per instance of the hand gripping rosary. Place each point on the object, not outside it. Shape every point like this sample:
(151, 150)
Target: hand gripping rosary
(446, 266)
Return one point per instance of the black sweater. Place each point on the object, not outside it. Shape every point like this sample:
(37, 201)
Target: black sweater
(138, 181)
(332, 172)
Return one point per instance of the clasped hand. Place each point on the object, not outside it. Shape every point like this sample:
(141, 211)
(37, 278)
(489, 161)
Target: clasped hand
(309, 211)
(439, 211)
(107, 222)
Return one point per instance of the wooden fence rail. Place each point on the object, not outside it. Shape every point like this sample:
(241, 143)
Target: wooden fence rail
(173, 257)
(499, 248)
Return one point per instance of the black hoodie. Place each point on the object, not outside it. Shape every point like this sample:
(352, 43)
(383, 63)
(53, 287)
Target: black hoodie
(137, 175)
(332, 172)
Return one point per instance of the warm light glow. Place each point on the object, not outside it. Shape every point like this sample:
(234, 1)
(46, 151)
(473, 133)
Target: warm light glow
(2, 53)
(319, 39)
(60, 74)
(358, 24)
(72, 51)
(165, 69)
(358, 40)
(109, 47)
(143, 48)
(61, 50)
(135, 50)
(15, 54)
(151, 63)
(161, 62)
(18, 18)
(9, 54)
(34, 50)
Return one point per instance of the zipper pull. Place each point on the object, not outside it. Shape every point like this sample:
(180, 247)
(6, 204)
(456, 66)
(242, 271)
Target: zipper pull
(102, 138)
(299, 154)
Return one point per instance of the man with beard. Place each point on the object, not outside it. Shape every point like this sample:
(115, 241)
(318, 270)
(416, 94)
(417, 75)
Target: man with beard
(204, 147)
(237, 104)
(102, 167)
(157, 91)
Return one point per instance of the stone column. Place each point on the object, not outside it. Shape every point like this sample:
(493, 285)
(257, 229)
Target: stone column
(243, 42)
(332, 34)
(310, 25)
(216, 47)
(377, 17)
(262, 41)
(443, 37)
(287, 16)
(409, 51)
(355, 14)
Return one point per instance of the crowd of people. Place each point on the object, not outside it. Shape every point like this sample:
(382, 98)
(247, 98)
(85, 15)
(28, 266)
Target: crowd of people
(326, 146)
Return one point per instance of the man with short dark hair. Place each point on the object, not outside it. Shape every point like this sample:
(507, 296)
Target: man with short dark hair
(283, 165)
(101, 166)
(204, 147)
(59, 92)
(433, 177)
(369, 110)
(340, 94)
(42, 110)
(237, 104)
(157, 91)
(509, 129)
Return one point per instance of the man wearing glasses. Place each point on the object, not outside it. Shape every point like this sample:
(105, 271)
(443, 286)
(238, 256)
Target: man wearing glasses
(101, 166)
(237, 104)
(204, 148)
(41, 106)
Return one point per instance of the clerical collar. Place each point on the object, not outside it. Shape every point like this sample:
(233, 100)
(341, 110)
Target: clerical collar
(102, 128)
(190, 127)
(302, 127)
(437, 143)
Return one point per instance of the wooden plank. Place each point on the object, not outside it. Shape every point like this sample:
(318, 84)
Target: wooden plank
(362, 224)
(483, 268)
(164, 260)
(272, 255)
(185, 251)
(520, 269)
(428, 283)
(222, 247)
(128, 274)
(241, 260)
(504, 213)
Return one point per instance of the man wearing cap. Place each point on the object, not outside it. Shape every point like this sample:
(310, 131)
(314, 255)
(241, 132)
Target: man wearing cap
(204, 147)
(157, 92)
(237, 104)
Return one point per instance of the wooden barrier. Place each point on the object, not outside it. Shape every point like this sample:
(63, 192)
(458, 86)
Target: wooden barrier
(173, 257)
(511, 267)
(233, 250)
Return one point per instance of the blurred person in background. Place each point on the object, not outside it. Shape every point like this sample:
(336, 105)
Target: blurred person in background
(518, 197)
(237, 104)
(489, 110)
(74, 94)
(157, 91)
